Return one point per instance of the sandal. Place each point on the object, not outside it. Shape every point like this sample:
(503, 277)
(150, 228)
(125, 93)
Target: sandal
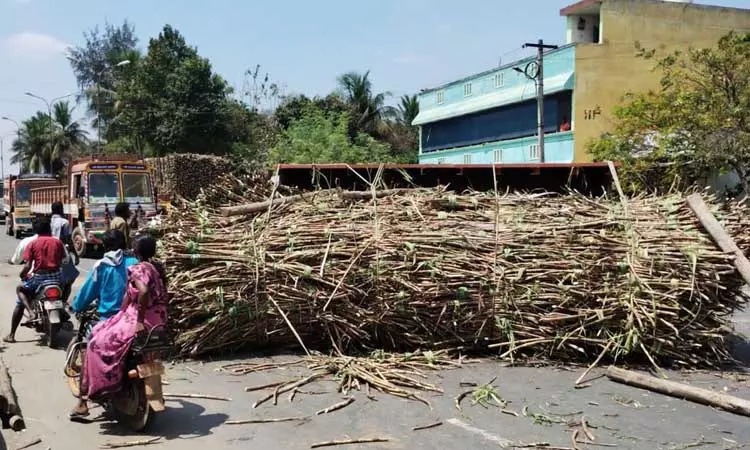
(9, 339)
(78, 416)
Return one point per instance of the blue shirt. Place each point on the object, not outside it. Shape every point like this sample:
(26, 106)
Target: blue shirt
(107, 282)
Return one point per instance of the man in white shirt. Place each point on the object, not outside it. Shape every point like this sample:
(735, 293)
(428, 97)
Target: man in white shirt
(17, 257)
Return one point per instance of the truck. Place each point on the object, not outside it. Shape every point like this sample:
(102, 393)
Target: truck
(90, 192)
(17, 200)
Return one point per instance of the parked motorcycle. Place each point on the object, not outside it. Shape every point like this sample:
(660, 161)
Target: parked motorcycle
(141, 392)
(49, 305)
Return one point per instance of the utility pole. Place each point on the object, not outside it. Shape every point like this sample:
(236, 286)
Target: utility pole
(539, 77)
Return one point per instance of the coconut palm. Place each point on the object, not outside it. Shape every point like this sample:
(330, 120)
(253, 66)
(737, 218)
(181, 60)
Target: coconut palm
(29, 149)
(408, 109)
(369, 110)
(67, 136)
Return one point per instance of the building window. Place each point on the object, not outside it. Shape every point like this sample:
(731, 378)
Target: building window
(440, 96)
(441, 160)
(467, 89)
(467, 159)
(498, 156)
(498, 80)
(533, 152)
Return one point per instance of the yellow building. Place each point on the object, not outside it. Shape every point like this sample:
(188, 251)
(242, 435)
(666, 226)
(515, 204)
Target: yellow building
(606, 33)
(491, 117)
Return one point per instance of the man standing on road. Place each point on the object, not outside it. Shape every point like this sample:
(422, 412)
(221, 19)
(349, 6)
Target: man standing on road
(61, 230)
(120, 222)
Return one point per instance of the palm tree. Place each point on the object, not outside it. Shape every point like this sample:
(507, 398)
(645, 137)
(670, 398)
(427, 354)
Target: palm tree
(408, 109)
(368, 110)
(44, 145)
(66, 138)
(29, 148)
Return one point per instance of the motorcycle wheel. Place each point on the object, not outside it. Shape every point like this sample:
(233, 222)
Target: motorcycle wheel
(53, 329)
(74, 356)
(130, 406)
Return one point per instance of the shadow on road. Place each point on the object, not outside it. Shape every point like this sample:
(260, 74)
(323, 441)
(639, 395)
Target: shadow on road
(185, 421)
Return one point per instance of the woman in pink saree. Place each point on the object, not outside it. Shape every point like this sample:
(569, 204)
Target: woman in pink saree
(143, 308)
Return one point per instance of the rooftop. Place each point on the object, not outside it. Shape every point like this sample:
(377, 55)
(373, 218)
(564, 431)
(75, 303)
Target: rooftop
(495, 69)
(591, 7)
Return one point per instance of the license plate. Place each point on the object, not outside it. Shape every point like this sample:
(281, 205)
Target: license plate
(150, 369)
(57, 304)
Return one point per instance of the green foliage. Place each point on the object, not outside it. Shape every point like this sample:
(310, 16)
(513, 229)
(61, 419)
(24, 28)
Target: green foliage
(45, 143)
(319, 137)
(174, 102)
(693, 127)
(94, 65)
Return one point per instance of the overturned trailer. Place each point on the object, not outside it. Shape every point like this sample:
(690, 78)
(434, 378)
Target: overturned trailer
(588, 178)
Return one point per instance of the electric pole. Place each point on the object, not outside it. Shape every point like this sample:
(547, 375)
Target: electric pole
(539, 78)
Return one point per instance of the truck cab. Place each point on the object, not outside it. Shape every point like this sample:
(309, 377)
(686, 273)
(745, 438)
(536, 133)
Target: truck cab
(17, 200)
(93, 188)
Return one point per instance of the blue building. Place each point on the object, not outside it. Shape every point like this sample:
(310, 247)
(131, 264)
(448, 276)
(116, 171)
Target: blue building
(491, 117)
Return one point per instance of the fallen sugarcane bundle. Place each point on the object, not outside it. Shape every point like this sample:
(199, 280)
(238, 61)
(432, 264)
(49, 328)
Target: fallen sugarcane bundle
(561, 277)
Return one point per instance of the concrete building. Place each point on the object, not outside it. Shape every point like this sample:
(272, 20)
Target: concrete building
(491, 117)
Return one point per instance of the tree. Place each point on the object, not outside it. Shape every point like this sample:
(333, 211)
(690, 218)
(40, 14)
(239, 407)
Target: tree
(368, 110)
(319, 137)
(408, 109)
(30, 147)
(174, 102)
(694, 126)
(293, 108)
(94, 64)
(45, 144)
(67, 138)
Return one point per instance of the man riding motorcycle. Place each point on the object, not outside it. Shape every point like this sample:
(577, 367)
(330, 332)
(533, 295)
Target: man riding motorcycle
(45, 255)
(107, 279)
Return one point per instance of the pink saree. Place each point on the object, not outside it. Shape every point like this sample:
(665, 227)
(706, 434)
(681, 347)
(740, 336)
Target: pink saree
(111, 339)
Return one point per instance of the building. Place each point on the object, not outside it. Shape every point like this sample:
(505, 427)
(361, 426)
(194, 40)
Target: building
(491, 117)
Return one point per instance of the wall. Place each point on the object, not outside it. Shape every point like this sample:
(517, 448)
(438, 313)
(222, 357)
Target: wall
(558, 148)
(605, 72)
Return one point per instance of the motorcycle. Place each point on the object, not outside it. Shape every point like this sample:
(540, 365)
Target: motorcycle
(140, 393)
(49, 305)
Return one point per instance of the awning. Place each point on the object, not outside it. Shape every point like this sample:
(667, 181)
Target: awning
(515, 94)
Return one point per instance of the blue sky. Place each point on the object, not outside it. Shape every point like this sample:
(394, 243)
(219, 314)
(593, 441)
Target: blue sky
(302, 44)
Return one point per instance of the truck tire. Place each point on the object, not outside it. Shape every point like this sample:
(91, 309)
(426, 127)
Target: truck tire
(79, 243)
(9, 225)
(18, 234)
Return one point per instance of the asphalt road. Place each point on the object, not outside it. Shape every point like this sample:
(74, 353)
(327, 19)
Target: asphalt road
(617, 415)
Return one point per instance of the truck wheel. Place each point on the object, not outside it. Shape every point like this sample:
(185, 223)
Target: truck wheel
(79, 243)
(18, 234)
(9, 225)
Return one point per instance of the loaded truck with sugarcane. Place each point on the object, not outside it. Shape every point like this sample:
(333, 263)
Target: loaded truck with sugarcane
(91, 190)
(17, 200)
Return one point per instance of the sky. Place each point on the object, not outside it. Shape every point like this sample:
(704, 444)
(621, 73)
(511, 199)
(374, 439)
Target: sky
(303, 45)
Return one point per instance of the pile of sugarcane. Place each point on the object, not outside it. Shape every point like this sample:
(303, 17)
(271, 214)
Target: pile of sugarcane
(519, 275)
(185, 174)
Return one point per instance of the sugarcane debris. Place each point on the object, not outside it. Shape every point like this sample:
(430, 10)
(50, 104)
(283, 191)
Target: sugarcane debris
(350, 442)
(335, 407)
(428, 426)
(271, 420)
(525, 277)
(132, 443)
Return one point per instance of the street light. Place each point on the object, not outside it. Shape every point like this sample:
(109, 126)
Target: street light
(99, 101)
(2, 153)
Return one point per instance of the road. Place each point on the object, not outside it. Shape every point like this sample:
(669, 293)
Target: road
(617, 415)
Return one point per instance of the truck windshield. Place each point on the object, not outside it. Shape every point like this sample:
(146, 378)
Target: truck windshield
(104, 188)
(136, 188)
(23, 195)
